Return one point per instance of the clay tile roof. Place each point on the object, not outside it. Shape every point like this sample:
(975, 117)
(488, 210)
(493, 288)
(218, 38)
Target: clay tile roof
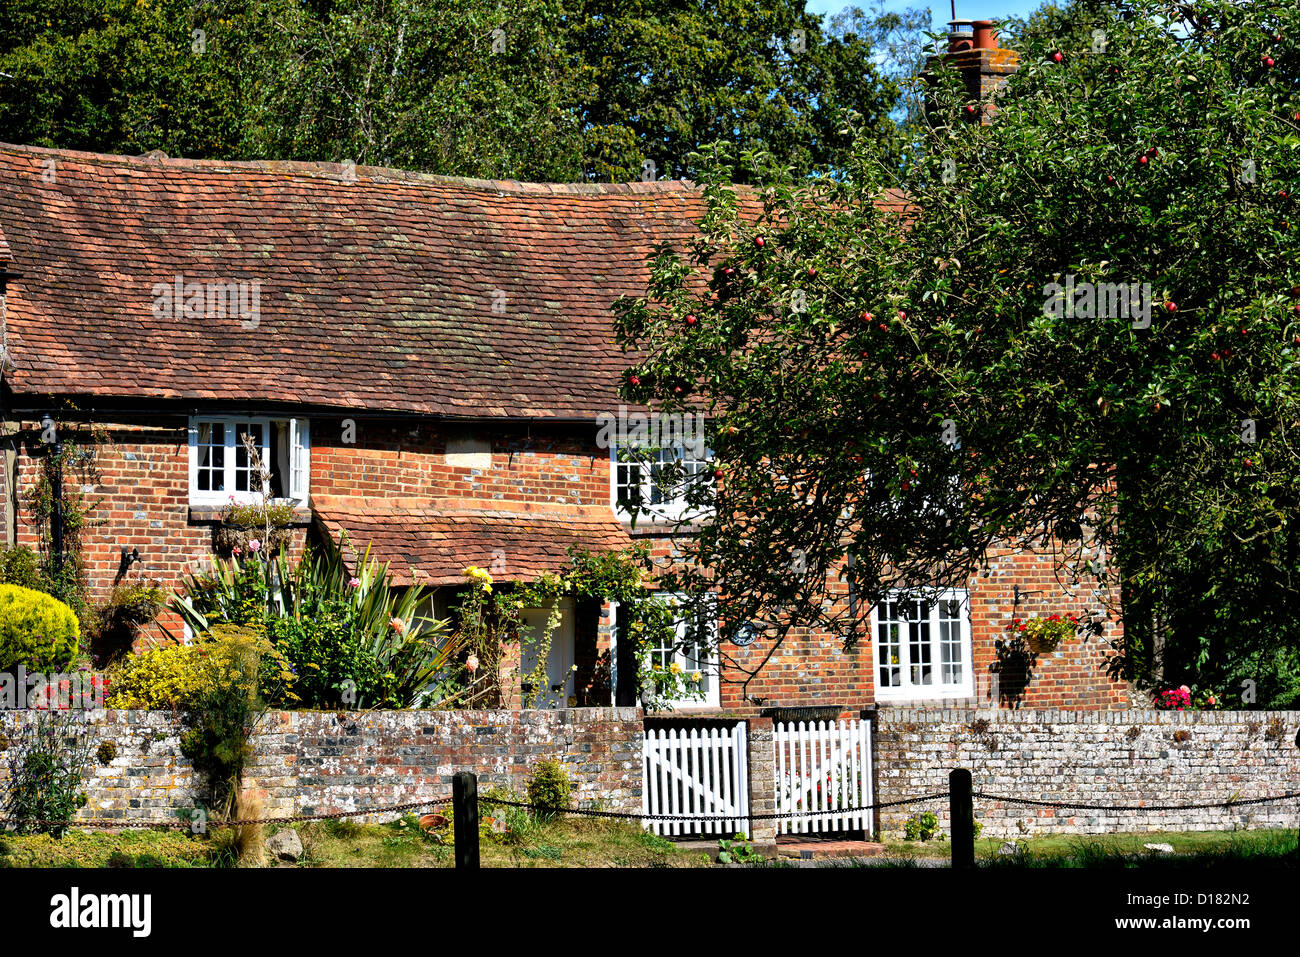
(433, 542)
(392, 291)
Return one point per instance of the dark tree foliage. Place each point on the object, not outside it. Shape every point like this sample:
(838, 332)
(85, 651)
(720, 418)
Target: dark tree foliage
(526, 89)
(912, 390)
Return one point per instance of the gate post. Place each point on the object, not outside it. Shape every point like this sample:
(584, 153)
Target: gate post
(464, 792)
(762, 780)
(961, 818)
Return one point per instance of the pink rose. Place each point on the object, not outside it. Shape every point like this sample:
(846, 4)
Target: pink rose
(471, 663)
(354, 582)
(254, 545)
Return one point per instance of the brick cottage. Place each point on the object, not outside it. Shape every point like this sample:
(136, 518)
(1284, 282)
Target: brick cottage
(424, 362)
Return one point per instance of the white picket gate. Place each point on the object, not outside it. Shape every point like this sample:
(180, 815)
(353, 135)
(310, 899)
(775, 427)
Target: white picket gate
(701, 770)
(824, 766)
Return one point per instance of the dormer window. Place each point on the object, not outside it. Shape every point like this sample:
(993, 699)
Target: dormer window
(222, 469)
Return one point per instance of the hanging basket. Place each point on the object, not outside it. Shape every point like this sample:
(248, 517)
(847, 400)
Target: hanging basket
(1042, 644)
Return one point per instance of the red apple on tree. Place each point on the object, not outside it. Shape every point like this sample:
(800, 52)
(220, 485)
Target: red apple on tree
(1171, 306)
(1057, 56)
(691, 319)
(760, 242)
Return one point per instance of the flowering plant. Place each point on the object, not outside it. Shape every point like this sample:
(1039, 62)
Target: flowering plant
(1174, 699)
(1044, 634)
(1185, 698)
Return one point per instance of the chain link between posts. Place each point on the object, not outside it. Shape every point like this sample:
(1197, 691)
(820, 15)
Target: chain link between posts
(630, 816)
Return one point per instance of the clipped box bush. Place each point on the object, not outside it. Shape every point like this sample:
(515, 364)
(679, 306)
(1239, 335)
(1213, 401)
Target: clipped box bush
(549, 787)
(36, 630)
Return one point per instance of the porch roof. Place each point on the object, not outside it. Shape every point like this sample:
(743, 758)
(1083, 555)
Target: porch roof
(432, 542)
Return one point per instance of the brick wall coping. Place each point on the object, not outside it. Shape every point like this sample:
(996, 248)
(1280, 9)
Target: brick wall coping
(1128, 716)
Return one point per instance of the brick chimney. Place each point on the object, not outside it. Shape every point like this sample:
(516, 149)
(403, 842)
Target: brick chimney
(973, 49)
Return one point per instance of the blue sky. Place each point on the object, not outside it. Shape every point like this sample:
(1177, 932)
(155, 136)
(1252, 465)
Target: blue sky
(941, 10)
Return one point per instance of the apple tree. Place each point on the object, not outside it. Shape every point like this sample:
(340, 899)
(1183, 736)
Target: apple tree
(1071, 321)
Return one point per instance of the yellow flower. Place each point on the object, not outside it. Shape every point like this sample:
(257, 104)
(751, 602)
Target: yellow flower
(675, 668)
(696, 677)
(479, 575)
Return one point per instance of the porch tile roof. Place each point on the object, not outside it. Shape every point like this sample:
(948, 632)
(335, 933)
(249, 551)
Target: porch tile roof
(432, 542)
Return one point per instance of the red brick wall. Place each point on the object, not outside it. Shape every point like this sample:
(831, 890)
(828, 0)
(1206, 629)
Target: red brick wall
(407, 459)
(143, 502)
(812, 667)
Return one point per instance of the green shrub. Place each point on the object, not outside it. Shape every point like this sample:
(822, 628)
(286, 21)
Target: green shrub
(349, 638)
(549, 786)
(921, 827)
(21, 565)
(47, 771)
(219, 719)
(158, 679)
(36, 630)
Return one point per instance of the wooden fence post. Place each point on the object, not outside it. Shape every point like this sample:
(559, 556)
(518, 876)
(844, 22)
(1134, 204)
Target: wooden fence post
(464, 795)
(961, 816)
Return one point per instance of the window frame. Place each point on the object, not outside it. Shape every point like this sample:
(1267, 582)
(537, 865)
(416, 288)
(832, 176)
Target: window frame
(712, 698)
(673, 510)
(907, 691)
(299, 459)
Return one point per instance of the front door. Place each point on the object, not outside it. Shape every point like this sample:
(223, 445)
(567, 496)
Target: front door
(558, 685)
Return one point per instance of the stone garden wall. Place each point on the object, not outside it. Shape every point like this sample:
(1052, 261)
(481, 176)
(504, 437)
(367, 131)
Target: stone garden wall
(1110, 758)
(312, 762)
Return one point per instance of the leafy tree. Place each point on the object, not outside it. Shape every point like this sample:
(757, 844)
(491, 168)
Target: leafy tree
(665, 76)
(120, 75)
(909, 389)
(462, 88)
(524, 89)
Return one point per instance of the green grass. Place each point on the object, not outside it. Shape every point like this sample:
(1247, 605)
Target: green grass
(594, 842)
(135, 848)
(1270, 848)
(565, 842)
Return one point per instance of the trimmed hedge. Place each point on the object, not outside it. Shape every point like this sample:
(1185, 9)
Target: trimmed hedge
(36, 630)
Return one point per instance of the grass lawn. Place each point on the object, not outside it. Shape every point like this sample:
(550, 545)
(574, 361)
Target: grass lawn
(1270, 848)
(580, 842)
(576, 842)
(586, 842)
